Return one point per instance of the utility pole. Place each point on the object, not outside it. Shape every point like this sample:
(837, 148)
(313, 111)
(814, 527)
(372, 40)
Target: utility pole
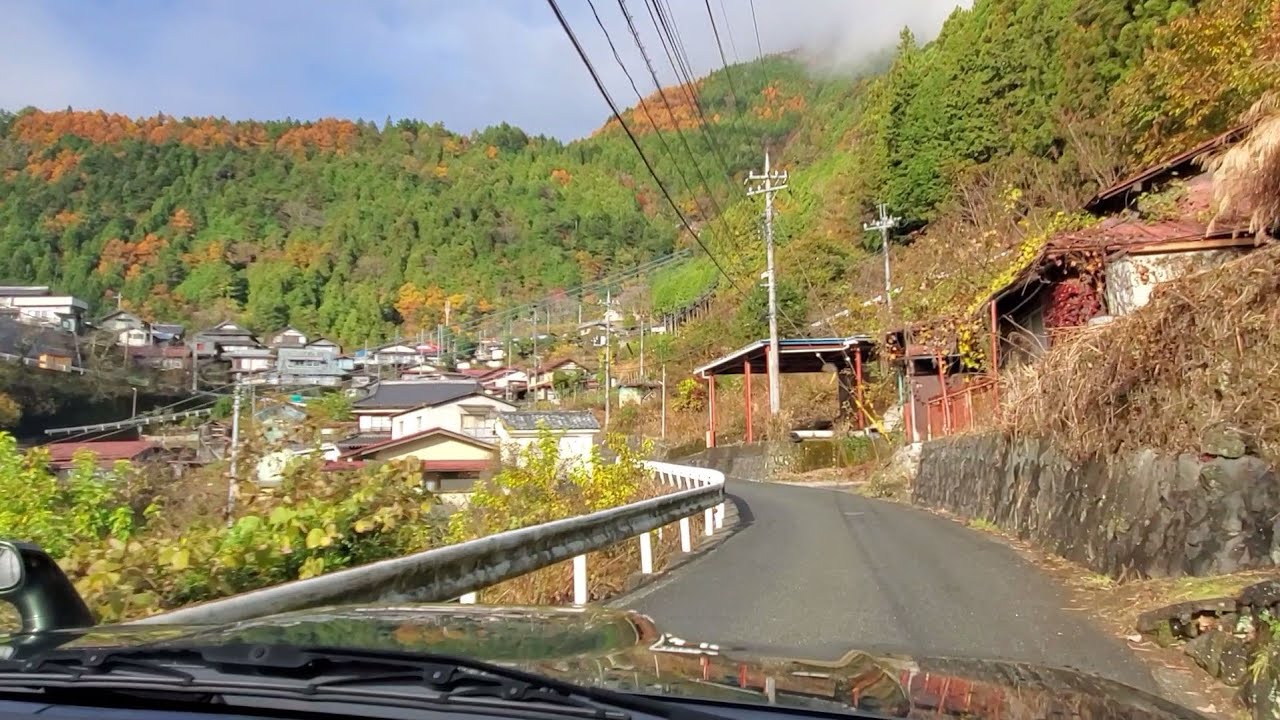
(195, 370)
(768, 183)
(608, 353)
(884, 223)
(643, 322)
(533, 380)
(664, 402)
(506, 358)
(235, 451)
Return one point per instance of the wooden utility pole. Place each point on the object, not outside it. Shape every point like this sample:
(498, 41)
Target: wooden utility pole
(770, 182)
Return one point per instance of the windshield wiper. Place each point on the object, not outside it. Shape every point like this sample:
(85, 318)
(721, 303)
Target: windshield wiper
(327, 675)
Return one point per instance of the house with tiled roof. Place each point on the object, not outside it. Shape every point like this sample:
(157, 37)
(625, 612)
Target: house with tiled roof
(451, 462)
(575, 432)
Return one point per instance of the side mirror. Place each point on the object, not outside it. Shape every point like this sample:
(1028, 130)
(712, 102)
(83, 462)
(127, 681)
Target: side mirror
(41, 592)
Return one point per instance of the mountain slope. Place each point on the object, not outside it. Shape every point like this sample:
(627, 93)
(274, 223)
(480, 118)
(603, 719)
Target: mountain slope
(344, 228)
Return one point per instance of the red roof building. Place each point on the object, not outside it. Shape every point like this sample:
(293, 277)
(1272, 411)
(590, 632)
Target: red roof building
(108, 452)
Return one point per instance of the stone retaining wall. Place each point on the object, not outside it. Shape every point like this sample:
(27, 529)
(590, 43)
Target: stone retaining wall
(1142, 515)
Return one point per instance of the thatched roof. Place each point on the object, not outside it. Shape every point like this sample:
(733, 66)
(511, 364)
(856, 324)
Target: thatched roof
(1247, 176)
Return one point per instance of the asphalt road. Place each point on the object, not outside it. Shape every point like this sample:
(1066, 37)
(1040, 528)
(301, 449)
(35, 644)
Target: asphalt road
(822, 572)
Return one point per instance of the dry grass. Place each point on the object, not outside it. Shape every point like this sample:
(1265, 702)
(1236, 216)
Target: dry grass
(1206, 350)
(1247, 177)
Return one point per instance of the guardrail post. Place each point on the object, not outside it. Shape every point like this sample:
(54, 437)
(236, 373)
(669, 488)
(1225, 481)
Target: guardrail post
(686, 542)
(708, 521)
(720, 516)
(468, 598)
(646, 553)
(580, 580)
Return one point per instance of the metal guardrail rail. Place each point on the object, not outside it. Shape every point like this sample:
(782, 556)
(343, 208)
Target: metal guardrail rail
(131, 422)
(459, 571)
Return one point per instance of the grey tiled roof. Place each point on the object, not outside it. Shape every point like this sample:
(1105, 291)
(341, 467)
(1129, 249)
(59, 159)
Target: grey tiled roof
(392, 395)
(360, 440)
(579, 420)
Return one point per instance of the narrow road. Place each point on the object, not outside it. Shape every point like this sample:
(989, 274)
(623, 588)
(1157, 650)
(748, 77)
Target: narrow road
(823, 571)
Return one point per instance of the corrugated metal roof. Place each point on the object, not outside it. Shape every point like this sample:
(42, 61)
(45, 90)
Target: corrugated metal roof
(105, 449)
(798, 355)
(552, 420)
(1135, 185)
(392, 394)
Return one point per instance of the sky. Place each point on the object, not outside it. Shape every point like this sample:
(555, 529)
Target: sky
(466, 63)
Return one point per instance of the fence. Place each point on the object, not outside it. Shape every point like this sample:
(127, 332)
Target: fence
(459, 571)
(961, 409)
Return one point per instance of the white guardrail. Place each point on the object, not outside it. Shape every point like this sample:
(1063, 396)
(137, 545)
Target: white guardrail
(459, 571)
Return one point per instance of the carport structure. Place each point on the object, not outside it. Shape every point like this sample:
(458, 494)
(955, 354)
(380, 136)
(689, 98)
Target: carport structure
(846, 357)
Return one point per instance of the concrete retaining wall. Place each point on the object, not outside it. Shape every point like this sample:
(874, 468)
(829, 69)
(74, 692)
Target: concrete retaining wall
(1144, 515)
(758, 461)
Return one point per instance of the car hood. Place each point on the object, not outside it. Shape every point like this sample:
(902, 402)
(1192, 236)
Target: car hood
(625, 651)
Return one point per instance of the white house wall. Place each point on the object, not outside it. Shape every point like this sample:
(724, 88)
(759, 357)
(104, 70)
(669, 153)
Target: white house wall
(447, 416)
(575, 446)
(374, 423)
(1131, 279)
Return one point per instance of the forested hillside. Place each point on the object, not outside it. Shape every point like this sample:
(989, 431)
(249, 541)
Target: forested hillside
(346, 228)
(985, 141)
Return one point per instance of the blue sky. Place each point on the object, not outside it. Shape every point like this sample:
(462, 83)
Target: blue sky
(466, 63)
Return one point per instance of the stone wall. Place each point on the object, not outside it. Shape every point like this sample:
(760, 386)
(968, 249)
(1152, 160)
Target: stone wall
(1143, 515)
(742, 462)
(1235, 639)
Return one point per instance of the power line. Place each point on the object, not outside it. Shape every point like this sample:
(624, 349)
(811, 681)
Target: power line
(644, 107)
(764, 66)
(612, 278)
(679, 65)
(728, 30)
(604, 92)
(635, 35)
(733, 91)
(202, 395)
(668, 29)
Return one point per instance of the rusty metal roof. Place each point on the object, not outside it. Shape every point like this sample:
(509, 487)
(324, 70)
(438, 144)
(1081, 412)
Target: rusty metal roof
(105, 450)
(1131, 187)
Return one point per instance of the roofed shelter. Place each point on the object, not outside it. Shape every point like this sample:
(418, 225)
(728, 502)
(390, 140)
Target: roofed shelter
(845, 356)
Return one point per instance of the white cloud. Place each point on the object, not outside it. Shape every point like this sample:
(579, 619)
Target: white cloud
(467, 64)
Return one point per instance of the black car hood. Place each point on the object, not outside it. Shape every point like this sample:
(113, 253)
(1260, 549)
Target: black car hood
(625, 651)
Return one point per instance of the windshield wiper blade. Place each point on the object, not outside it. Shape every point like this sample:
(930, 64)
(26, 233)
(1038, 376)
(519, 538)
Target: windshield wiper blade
(325, 673)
